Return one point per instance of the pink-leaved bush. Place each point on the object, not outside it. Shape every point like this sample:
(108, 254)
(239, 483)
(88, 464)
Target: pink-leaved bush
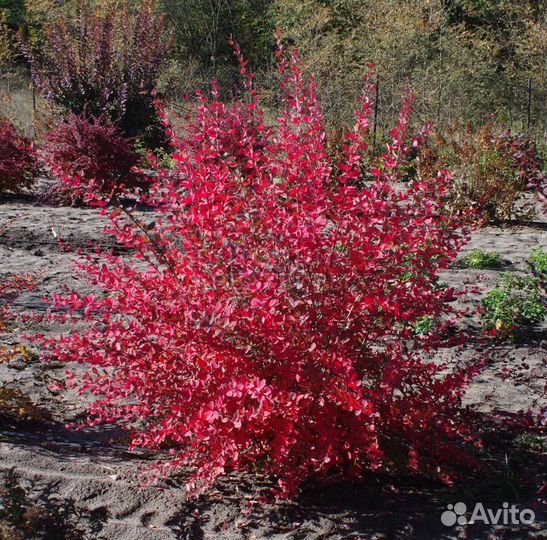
(266, 320)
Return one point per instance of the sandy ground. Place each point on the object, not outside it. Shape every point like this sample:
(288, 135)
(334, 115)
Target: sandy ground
(94, 471)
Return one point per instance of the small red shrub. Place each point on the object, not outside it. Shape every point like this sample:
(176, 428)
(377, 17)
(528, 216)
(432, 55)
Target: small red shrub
(495, 169)
(18, 167)
(89, 156)
(272, 326)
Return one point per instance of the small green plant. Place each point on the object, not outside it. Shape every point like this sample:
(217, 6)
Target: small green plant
(533, 442)
(159, 158)
(424, 325)
(513, 304)
(483, 259)
(538, 262)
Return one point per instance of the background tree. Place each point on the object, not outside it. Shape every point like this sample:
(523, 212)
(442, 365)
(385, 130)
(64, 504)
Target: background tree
(202, 30)
(464, 59)
(30, 16)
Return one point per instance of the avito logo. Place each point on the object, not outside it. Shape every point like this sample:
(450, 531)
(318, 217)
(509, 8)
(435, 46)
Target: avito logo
(507, 515)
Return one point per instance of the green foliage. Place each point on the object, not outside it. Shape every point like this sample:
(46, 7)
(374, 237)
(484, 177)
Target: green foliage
(466, 59)
(6, 46)
(153, 159)
(483, 259)
(424, 325)
(28, 17)
(533, 442)
(14, 12)
(512, 305)
(538, 262)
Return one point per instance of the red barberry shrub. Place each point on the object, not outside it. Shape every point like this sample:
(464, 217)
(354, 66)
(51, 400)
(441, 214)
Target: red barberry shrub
(268, 323)
(18, 167)
(88, 156)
